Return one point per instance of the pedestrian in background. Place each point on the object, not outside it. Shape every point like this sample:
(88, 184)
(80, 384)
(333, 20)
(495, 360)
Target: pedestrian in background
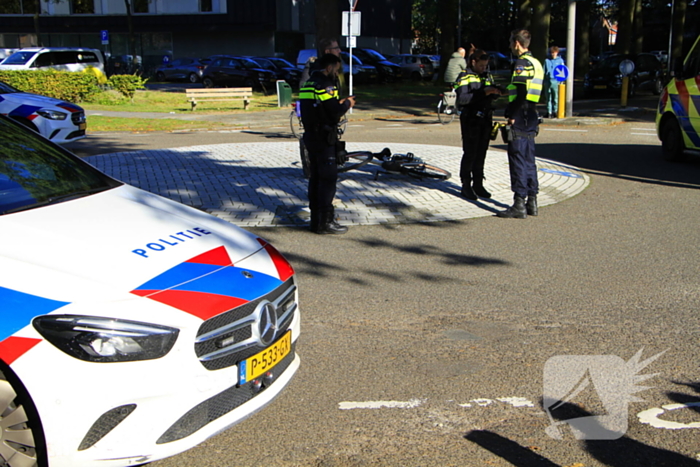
(551, 83)
(321, 110)
(523, 94)
(475, 95)
(456, 65)
(325, 46)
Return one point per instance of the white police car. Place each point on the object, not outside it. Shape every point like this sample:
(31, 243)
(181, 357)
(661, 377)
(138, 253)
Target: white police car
(54, 119)
(132, 327)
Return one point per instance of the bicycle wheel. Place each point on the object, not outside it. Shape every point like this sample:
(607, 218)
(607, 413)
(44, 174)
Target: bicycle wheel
(421, 170)
(343, 125)
(446, 112)
(295, 124)
(356, 159)
(305, 159)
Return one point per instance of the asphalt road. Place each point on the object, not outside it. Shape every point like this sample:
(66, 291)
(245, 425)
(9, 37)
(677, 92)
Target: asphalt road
(448, 328)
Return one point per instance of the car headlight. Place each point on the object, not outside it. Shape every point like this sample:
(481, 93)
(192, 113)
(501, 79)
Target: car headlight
(52, 114)
(97, 339)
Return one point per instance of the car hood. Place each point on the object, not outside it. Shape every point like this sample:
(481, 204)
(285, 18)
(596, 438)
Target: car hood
(603, 73)
(37, 100)
(118, 240)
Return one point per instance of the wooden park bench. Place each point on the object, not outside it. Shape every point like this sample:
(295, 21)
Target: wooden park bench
(194, 96)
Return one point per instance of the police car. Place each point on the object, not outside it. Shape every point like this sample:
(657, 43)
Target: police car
(54, 119)
(678, 115)
(132, 327)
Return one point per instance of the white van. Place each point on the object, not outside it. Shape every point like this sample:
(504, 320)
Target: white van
(54, 58)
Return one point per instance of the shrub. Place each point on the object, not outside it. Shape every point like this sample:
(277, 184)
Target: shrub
(63, 85)
(126, 84)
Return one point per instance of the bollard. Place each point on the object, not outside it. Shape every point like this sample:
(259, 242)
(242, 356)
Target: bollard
(625, 87)
(561, 101)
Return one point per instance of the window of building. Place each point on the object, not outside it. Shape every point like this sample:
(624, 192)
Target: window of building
(82, 7)
(18, 7)
(205, 5)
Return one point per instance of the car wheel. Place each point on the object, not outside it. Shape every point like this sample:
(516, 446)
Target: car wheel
(160, 76)
(193, 78)
(208, 83)
(672, 147)
(658, 86)
(20, 429)
(249, 83)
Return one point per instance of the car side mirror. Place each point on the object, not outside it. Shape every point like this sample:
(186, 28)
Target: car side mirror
(677, 69)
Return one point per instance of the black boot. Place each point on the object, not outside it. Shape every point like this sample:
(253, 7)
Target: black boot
(531, 205)
(516, 211)
(468, 193)
(330, 226)
(480, 191)
(315, 224)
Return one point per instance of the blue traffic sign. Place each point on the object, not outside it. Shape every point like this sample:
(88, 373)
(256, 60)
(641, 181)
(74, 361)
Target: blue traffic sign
(561, 72)
(104, 36)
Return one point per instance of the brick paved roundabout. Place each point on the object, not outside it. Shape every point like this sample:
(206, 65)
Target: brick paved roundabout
(261, 184)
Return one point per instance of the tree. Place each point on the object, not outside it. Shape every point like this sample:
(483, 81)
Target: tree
(540, 28)
(328, 19)
(447, 12)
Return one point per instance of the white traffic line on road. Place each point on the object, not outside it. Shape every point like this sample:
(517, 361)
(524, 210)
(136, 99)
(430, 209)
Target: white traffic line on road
(413, 403)
(651, 417)
(644, 134)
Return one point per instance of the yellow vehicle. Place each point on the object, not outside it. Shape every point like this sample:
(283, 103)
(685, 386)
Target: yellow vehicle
(678, 114)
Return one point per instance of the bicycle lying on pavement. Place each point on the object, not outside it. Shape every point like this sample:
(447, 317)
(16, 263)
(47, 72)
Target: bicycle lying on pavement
(405, 164)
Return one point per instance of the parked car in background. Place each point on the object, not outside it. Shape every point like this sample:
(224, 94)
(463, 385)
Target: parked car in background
(436, 62)
(662, 55)
(386, 70)
(56, 120)
(499, 61)
(606, 77)
(282, 69)
(123, 64)
(150, 325)
(54, 58)
(361, 73)
(416, 67)
(226, 70)
(181, 69)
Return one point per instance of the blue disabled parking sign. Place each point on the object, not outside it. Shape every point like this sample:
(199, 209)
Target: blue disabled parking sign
(561, 72)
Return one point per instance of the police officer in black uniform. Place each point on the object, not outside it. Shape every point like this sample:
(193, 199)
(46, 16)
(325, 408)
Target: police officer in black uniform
(475, 95)
(523, 94)
(321, 110)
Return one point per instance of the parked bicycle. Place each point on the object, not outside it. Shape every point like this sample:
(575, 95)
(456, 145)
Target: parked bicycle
(298, 127)
(447, 107)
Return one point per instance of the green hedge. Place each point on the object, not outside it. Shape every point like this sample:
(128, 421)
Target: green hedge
(64, 85)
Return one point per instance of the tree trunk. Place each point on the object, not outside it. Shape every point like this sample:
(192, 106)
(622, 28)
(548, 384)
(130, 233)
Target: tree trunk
(37, 13)
(328, 18)
(524, 15)
(447, 12)
(540, 28)
(583, 38)
(638, 37)
(132, 38)
(678, 27)
(625, 27)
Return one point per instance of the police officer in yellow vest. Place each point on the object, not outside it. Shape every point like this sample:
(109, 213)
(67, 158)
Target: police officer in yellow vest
(523, 94)
(475, 94)
(321, 110)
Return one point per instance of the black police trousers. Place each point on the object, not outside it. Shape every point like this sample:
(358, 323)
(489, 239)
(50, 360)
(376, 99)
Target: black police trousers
(324, 173)
(476, 134)
(521, 153)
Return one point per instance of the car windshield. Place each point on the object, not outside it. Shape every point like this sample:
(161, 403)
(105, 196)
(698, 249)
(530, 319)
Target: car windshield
(18, 58)
(264, 63)
(376, 55)
(612, 62)
(34, 172)
(247, 63)
(7, 89)
(281, 62)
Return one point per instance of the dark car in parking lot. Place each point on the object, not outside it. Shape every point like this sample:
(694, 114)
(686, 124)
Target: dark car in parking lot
(386, 70)
(181, 69)
(361, 73)
(606, 77)
(226, 70)
(282, 69)
(416, 67)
